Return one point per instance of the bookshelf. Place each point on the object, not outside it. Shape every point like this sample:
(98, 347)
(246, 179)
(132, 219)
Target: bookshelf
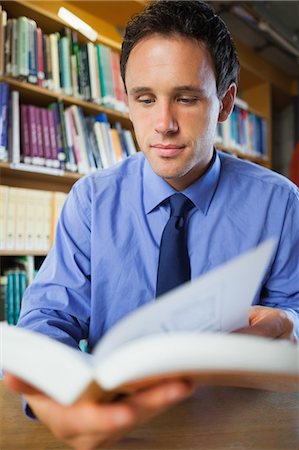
(259, 81)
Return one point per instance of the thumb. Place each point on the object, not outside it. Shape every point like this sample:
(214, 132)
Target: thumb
(18, 385)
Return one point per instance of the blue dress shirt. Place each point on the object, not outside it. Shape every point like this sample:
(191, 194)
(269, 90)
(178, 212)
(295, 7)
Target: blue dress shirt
(104, 261)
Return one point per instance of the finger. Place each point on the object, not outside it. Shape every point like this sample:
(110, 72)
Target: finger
(150, 403)
(18, 385)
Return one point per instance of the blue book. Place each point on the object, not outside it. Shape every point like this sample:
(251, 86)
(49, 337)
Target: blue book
(16, 296)
(32, 76)
(4, 90)
(102, 118)
(90, 156)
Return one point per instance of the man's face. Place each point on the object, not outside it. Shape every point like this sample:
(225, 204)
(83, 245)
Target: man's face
(173, 105)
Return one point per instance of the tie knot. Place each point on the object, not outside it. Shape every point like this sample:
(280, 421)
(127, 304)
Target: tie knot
(180, 205)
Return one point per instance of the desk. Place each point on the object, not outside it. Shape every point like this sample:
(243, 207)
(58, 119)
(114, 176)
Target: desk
(214, 419)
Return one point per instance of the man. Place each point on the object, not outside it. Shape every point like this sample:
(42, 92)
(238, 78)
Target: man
(180, 70)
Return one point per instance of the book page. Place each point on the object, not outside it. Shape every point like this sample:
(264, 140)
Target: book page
(217, 301)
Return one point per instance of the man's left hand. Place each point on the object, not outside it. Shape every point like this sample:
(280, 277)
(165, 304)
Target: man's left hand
(270, 322)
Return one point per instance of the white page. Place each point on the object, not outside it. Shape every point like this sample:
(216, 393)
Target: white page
(216, 301)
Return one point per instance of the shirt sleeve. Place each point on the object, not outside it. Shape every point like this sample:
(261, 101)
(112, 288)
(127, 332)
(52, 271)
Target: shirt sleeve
(57, 303)
(282, 287)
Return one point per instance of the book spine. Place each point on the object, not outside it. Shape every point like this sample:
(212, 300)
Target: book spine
(33, 134)
(7, 48)
(92, 69)
(75, 64)
(130, 142)
(84, 73)
(76, 139)
(14, 48)
(40, 58)
(65, 65)
(122, 139)
(90, 121)
(32, 76)
(16, 296)
(3, 22)
(9, 299)
(3, 290)
(4, 193)
(61, 156)
(53, 141)
(39, 137)
(89, 153)
(22, 47)
(15, 128)
(55, 61)
(71, 163)
(4, 97)
(21, 211)
(22, 283)
(105, 157)
(25, 147)
(46, 136)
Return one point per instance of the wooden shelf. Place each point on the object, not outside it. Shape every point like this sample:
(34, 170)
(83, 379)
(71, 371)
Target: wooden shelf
(22, 253)
(29, 93)
(36, 178)
(252, 158)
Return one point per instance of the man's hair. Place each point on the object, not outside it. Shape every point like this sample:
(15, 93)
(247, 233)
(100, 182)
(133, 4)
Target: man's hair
(190, 19)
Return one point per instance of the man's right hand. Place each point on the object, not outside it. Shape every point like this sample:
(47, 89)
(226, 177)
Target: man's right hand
(89, 425)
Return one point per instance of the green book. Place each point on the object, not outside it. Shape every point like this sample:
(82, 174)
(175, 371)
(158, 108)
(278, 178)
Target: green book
(106, 74)
(9, 304)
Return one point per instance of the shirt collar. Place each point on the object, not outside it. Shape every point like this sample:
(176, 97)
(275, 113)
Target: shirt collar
(201, 192)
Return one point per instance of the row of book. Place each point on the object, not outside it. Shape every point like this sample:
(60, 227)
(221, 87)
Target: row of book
(58, 62)
(12, 287)
(59, 137)
(245, 132)
(28, 218)
(16, 274)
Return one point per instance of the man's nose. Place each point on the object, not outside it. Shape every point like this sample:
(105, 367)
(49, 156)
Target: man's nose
(166, 121)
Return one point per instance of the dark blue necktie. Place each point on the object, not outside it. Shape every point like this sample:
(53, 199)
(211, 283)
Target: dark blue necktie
(174, 263)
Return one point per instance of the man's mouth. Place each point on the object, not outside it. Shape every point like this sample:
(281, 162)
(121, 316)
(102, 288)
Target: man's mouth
(167, 150)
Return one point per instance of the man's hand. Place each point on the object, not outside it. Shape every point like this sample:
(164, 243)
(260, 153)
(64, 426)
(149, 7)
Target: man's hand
(89, 425)
(270, 322)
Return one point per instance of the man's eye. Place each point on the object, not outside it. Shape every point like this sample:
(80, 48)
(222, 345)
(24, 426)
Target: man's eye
(187, 100)
(145, 100)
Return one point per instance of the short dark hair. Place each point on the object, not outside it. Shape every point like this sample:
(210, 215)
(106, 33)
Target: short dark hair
(192, 19)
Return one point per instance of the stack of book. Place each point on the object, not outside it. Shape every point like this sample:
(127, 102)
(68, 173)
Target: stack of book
(243, 131)
(58, 62)
(28, 219)
(17, 273)
(12, 287)
(58, 137)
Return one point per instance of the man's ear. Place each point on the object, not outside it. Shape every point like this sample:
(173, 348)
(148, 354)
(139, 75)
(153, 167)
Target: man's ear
(227, 102)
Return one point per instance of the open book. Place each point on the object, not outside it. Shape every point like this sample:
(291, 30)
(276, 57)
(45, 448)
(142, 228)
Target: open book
(182, 334)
